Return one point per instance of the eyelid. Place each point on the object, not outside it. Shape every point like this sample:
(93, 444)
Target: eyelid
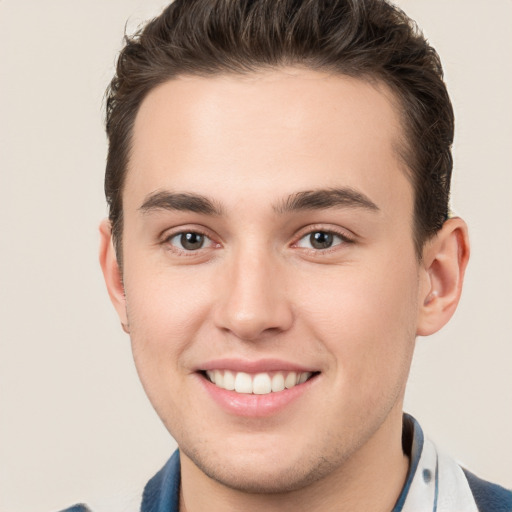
(344, 234)
(168, 234)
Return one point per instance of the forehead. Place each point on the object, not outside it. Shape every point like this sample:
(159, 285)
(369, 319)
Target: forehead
(283, 130)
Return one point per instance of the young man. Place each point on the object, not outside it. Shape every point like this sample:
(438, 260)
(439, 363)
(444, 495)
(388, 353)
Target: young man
(278, 180)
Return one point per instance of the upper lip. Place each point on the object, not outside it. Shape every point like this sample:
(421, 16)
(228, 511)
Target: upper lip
(256, 366)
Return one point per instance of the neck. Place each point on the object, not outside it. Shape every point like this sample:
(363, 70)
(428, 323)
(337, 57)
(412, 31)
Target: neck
(371, 479)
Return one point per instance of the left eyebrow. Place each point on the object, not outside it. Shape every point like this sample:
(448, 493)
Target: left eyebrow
(165, 200)
(326, 198)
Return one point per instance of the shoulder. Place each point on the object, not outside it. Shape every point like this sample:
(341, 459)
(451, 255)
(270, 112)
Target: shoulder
(163, 490)
(76, 508)
(436, 482)
(489, 497)
(160, 493)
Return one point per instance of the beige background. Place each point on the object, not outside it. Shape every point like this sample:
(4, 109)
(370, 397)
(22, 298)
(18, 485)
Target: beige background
(74, 422)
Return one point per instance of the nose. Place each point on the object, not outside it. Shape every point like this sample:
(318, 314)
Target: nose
(253, 301)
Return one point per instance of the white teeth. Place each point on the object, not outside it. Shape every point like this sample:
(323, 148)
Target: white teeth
(259, 384)
(229, 381)
(243, 383)
(291, 380)
(303, 377)
(277, 382)
(219, 378)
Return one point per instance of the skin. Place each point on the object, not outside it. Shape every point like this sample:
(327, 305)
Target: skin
(258, 289)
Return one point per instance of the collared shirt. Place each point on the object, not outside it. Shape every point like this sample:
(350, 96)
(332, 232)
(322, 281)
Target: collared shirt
(434, 483)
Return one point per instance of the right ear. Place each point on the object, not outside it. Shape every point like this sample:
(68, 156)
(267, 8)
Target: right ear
(112, 272)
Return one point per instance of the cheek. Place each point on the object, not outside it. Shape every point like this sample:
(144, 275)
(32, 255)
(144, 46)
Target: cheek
(163, 299)
(366, 317)
(165, 311)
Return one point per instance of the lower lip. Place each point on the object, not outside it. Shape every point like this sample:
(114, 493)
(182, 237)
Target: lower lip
(250, 405)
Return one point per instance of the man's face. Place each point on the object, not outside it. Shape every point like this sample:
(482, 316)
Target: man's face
(268, 231)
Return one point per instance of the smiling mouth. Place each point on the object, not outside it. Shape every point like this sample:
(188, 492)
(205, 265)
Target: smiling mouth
(258, 383)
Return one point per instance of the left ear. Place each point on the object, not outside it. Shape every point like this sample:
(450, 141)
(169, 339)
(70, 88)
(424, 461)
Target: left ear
(445, 258)
(112, 273)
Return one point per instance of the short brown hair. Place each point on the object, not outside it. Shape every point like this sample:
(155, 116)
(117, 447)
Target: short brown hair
(369, 39)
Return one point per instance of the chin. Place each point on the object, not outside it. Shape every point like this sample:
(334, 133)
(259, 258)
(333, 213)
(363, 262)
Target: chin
(262, 474)
(270, 481)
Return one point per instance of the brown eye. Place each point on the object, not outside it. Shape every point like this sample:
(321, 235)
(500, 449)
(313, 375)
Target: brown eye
(320, 240)
(188, 241)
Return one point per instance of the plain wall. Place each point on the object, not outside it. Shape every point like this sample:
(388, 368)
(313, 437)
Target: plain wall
(74, 421)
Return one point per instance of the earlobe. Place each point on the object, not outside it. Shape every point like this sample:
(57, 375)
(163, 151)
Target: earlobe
(112, 273)
(445, 258)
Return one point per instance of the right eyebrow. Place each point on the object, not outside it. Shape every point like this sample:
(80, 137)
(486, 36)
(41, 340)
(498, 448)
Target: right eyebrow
(165, 200)
(319, 199)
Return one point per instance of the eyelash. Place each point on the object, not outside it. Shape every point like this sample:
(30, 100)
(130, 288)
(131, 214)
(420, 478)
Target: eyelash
(311, 230)
(187, 252)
